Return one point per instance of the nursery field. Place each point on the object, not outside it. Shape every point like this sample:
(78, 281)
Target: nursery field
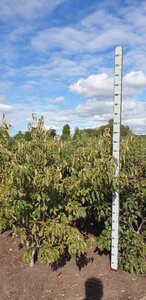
(55, 214)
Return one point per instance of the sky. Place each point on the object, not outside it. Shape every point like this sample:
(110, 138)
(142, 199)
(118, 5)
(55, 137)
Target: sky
(57, 61)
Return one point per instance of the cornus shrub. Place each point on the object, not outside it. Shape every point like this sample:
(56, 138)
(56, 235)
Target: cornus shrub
(47, 186)
(133, 206)
(132, 230)
(50, 187)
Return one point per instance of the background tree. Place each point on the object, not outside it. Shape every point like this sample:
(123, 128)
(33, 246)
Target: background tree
(77, 133)
(125, 130)
(5, 134)
(65, 133)
(52, 132)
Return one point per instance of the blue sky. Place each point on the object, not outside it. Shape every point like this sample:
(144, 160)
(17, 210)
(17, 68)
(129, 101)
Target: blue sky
(57, 60)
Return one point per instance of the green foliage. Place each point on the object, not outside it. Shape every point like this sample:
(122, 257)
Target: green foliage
(96, 132)
(4, 134)
(76, 133)
(65, 133)
(52, 132)
(125, 130)
(132, 234)
(48, 186)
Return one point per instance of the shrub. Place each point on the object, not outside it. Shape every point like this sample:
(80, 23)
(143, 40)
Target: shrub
(49, 186)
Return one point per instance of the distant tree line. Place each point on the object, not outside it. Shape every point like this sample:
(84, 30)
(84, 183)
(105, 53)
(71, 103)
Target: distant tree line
(66, 132)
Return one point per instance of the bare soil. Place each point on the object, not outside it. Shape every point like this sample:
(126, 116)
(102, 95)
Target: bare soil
(92, 279)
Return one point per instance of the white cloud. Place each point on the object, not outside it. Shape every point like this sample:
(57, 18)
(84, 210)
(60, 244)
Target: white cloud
(94, 85)
(67, 38)
(56, 100)
(29, 9)
(93, 107)
(20, 32)
(134, 83)
(137, 124)
(47, 127)
(98, 90)
(135, 79)
(136, 121)
(5, 108)
(97, 108)
(96, 19)
(57, 72)
(98, 85)
(79, 54)
(29, 86)
(80, 40)
(91, 34)
(91, 113)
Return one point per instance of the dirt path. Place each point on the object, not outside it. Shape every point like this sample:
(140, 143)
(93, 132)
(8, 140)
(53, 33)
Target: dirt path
(95, 281)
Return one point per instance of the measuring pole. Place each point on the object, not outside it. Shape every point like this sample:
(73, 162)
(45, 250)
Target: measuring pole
(116, 152)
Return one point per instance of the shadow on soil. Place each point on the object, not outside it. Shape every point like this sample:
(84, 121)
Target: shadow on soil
(93, 289)
(90, 228)
(81, 261)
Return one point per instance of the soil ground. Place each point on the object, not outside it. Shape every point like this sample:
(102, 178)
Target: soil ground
(94, 281)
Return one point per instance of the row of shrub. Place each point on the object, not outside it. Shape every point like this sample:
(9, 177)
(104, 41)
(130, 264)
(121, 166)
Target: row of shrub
(50, 189)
